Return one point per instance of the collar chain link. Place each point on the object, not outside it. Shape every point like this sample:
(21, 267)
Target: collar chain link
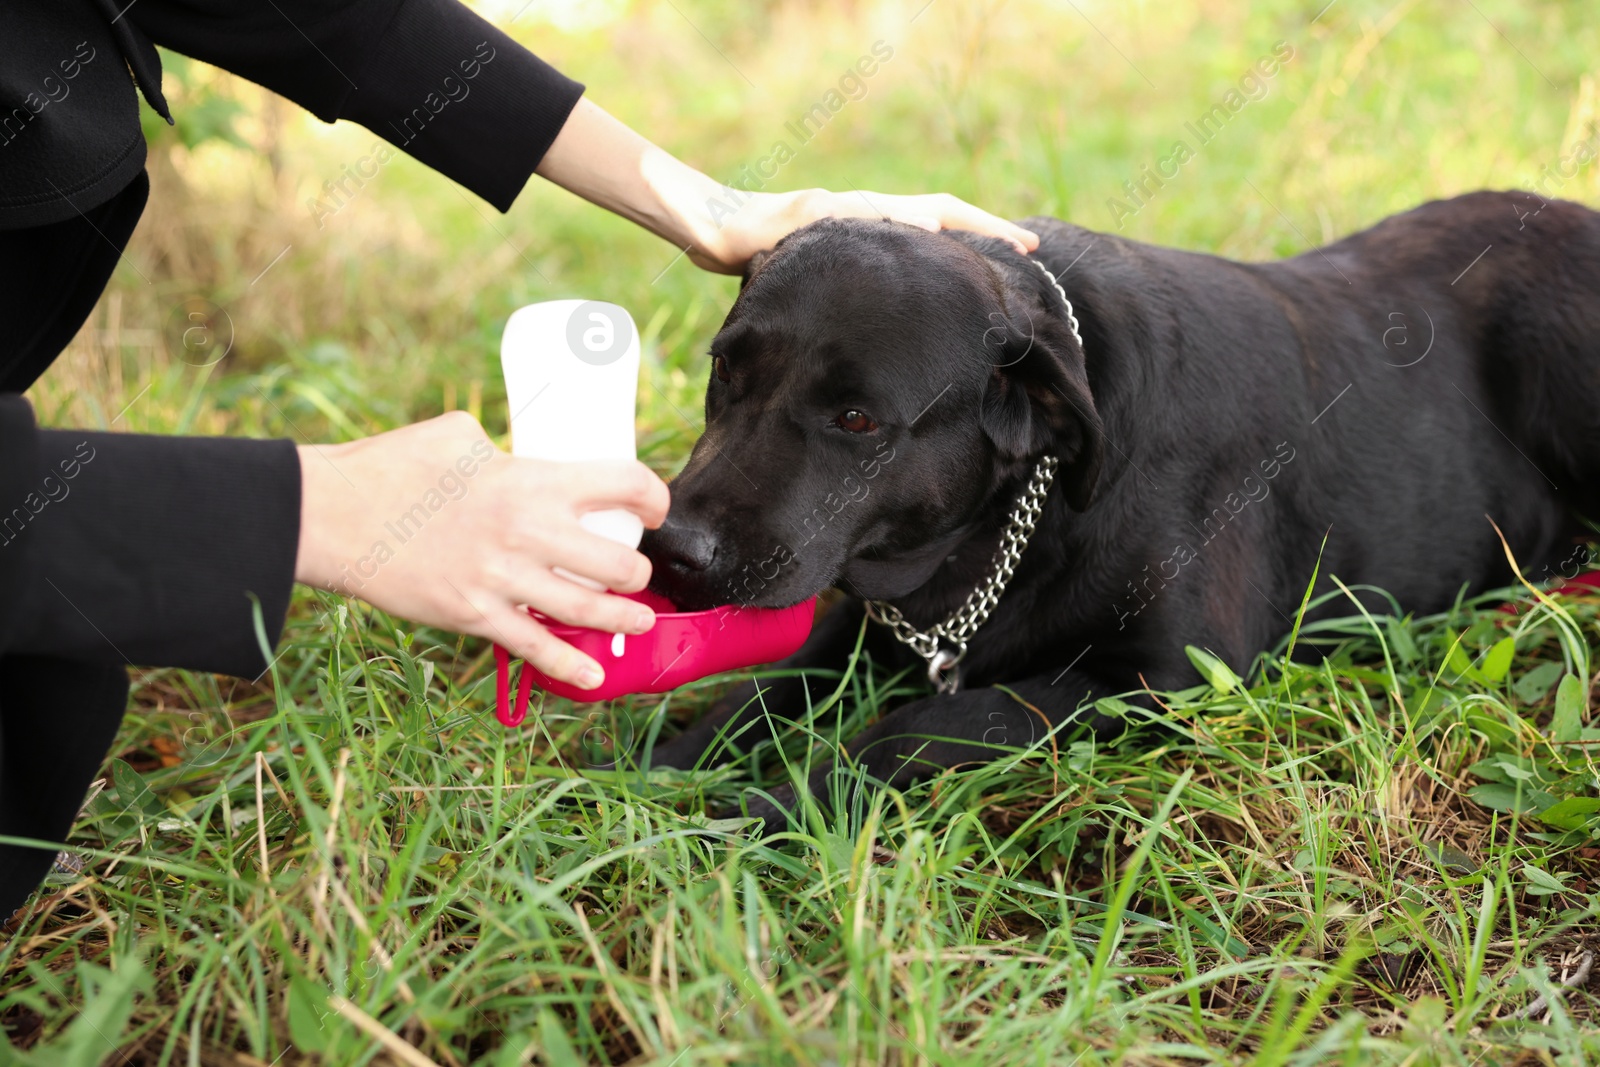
(944, 645)
(1072, 317)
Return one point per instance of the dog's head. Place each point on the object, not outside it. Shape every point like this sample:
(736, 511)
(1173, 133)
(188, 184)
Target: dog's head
(873, 390)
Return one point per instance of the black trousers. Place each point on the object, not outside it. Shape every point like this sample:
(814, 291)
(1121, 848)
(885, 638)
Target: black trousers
(57, 719)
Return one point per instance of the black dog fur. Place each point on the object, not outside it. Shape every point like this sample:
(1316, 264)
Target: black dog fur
(1393, 391)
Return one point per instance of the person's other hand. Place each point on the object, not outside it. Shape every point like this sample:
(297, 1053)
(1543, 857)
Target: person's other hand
(762, 219)
(431, 522)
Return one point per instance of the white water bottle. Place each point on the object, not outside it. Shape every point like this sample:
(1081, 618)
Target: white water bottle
(572, 385)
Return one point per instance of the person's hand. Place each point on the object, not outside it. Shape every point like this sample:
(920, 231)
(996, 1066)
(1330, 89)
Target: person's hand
(431, 522)
(762, 219)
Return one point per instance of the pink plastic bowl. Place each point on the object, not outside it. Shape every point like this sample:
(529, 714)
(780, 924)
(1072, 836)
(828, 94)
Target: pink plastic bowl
(682, 647)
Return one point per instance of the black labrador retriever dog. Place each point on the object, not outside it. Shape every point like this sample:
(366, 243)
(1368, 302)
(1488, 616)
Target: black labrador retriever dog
(1052, 473)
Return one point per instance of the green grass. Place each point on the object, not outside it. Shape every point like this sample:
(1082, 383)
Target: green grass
(1378, 857)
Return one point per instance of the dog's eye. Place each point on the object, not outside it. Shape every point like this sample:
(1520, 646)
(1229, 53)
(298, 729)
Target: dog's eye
(854, 421)
(719, 367)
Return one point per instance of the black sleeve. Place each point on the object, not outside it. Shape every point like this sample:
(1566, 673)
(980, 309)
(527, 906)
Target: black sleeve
(137, 549)
(429, 76)
(19, 459)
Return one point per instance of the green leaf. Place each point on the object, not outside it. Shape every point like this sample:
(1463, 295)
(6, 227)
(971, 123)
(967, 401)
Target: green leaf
(1451, 859)
(1507, 798)
(1424, 702)
(132, 791)
(1459, 664)
(308, 1015)
(1511, 770)
(557, 1047)
(1491, 724)
(1532, 686)
(1213, 670)
(1113, 708)
(1567, 722)
(1572, 813)
(1491, 769)
(1400, 640)
(1497, 662)
(1514, 768)
(108, 999)
(1541, 883)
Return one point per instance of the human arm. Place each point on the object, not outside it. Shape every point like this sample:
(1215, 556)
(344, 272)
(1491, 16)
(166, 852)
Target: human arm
(137, 549)
(602, 160)
(134, 549)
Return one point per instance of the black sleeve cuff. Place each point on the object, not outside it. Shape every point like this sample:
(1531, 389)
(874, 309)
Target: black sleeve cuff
(459, 95)
(155, 550)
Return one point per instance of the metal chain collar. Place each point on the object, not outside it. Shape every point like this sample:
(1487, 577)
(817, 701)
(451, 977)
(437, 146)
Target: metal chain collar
(945, 644)
(1072, 318)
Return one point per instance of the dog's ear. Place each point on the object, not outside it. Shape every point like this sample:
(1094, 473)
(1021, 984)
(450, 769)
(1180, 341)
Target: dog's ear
(1037, 399)
(757, 261)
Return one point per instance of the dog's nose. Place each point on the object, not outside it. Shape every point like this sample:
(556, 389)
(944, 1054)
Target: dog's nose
(681, 547)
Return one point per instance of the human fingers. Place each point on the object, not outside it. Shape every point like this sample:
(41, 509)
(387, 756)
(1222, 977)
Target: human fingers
(944, 211)
(611, 484)
(527, 639)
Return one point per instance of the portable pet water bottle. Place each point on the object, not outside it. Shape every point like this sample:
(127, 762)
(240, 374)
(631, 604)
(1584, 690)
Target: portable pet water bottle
(572, 383)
